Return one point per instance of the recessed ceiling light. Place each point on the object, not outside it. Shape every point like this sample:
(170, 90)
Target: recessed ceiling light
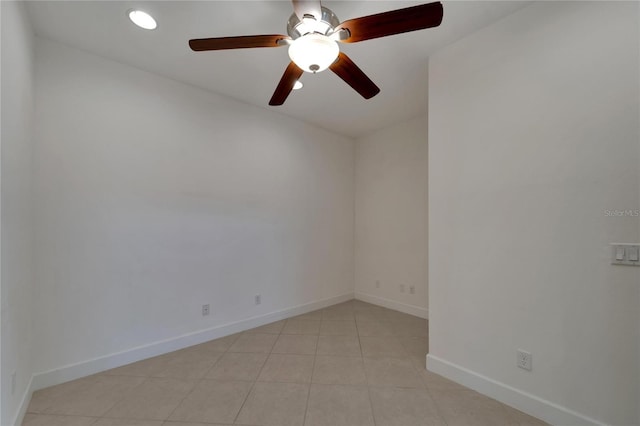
(142, 19)
(297, 85)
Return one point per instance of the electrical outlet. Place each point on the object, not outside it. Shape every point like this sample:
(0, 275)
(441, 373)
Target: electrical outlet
(13, 383)
(258, 299)
(524, 360)
(412, 289)
(377, 284)
(205, 310)
(401, 288)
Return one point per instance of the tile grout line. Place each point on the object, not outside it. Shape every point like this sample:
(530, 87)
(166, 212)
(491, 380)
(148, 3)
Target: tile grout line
(146, 378)
(255, 381)
(366, 377)
(124, 395)
(95, 419)
(428, 389)
(313, 367)
(198, 381)
(435, 403)
(310, 383)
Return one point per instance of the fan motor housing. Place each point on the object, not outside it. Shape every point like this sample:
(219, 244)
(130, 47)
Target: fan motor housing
(296, 28)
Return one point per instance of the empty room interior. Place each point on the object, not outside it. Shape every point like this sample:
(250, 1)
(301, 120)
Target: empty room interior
(305, 213)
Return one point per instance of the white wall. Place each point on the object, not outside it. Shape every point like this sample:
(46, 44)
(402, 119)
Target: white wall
(638, 329)
(16, 212)
(391, 216)
(154, 197)
(533, 134)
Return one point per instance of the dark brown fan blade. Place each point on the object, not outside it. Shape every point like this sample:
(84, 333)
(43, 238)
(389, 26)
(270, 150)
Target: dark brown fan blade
(307, 7)
(240, 42)
(393, 22)
(289, 78)
(344, 68)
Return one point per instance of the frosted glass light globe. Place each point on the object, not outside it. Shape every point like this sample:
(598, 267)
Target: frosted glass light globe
(313, 52)
(142, 19)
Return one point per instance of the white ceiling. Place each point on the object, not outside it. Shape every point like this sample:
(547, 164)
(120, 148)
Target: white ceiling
(397, 64)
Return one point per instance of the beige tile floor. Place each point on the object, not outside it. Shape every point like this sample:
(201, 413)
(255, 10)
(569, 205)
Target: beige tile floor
(352, 364)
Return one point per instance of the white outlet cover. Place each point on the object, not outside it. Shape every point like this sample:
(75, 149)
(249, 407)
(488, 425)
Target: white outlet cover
(524, 360)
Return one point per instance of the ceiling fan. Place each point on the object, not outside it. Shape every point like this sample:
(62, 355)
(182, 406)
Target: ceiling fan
(314, 31)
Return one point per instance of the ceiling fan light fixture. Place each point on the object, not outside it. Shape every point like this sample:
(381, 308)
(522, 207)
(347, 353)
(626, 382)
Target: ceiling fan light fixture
(142, 19)
(297, 85)
(313, 32)
(310, 25)
(314, 52)
(324, 24)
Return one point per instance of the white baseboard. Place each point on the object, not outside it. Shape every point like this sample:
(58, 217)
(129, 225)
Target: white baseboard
(106, 362)
(24, 403)
(392, 304)
(548, 411)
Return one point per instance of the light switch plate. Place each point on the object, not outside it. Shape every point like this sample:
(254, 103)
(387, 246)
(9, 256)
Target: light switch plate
(625, 254)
